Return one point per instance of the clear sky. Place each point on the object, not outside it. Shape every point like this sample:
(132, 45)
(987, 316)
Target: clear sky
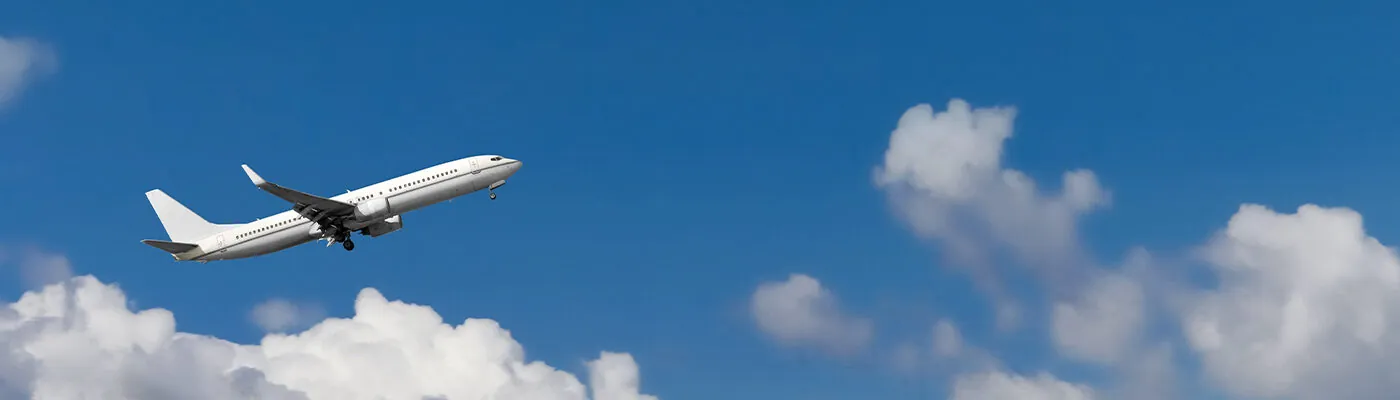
(680, 156)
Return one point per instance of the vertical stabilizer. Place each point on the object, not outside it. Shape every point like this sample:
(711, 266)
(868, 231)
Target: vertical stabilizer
(180, 223)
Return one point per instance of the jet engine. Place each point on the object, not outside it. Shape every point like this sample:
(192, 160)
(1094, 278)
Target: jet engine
(372, 210)
(380, 228)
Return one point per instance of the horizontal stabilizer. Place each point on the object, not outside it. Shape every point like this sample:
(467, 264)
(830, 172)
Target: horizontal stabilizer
(171, 247)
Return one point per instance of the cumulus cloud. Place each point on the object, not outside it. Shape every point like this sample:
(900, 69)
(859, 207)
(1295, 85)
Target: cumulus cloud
(1104, 323)
(281, 315)
(77, 339)
(996, 385)
(800, 312)
(1306, 307)
(1302, 305)
(614, 376)
(943, 174)
(20, 60)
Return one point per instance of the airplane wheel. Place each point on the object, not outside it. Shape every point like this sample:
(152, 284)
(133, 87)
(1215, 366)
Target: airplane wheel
(349, 245)
(493, 196)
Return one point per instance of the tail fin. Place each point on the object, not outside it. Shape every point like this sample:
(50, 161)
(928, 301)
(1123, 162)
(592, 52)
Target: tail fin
(180, 223)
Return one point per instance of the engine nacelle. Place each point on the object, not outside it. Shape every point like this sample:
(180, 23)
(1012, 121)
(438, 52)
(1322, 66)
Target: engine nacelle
(372, 210)
(390, 224)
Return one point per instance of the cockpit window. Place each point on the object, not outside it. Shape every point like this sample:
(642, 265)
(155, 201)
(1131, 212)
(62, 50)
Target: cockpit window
(495, 159)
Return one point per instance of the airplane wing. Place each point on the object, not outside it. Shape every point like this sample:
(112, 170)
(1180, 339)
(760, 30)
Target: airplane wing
(309, 205)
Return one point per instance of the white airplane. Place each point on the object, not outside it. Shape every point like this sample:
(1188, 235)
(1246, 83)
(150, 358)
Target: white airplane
(373, 210)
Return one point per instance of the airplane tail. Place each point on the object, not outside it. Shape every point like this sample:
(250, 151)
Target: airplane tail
(183, 225)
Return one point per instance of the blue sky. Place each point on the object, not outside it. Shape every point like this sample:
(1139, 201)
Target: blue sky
(676, 156)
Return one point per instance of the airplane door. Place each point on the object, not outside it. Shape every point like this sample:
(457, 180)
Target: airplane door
(220, 240)
(476, 168)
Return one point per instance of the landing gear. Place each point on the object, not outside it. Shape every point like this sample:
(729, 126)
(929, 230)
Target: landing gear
(494, 186)
(349, 245)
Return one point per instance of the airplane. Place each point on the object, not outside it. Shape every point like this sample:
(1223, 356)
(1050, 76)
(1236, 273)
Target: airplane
(373, 211)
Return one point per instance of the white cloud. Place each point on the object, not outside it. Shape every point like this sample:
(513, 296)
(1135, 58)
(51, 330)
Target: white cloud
(1104, 323)
(943, 352)
(947, 341)
(77, 339)
(281, 315)
(1150, 375)
(20, 59)
(799, 311)
(943, 173)
(38, 269)
(1003, 386)
(614, 376)
(1306, 307)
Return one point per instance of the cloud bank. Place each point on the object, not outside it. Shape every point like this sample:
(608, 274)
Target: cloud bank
(77, 339)
(1308, 306)
(1303, 305)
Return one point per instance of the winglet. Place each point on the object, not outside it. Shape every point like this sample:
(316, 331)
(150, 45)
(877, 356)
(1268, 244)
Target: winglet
(257, 180)
(302, 200)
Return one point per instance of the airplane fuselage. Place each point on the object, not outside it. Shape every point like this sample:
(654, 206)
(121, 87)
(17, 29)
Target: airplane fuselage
(378, 210)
